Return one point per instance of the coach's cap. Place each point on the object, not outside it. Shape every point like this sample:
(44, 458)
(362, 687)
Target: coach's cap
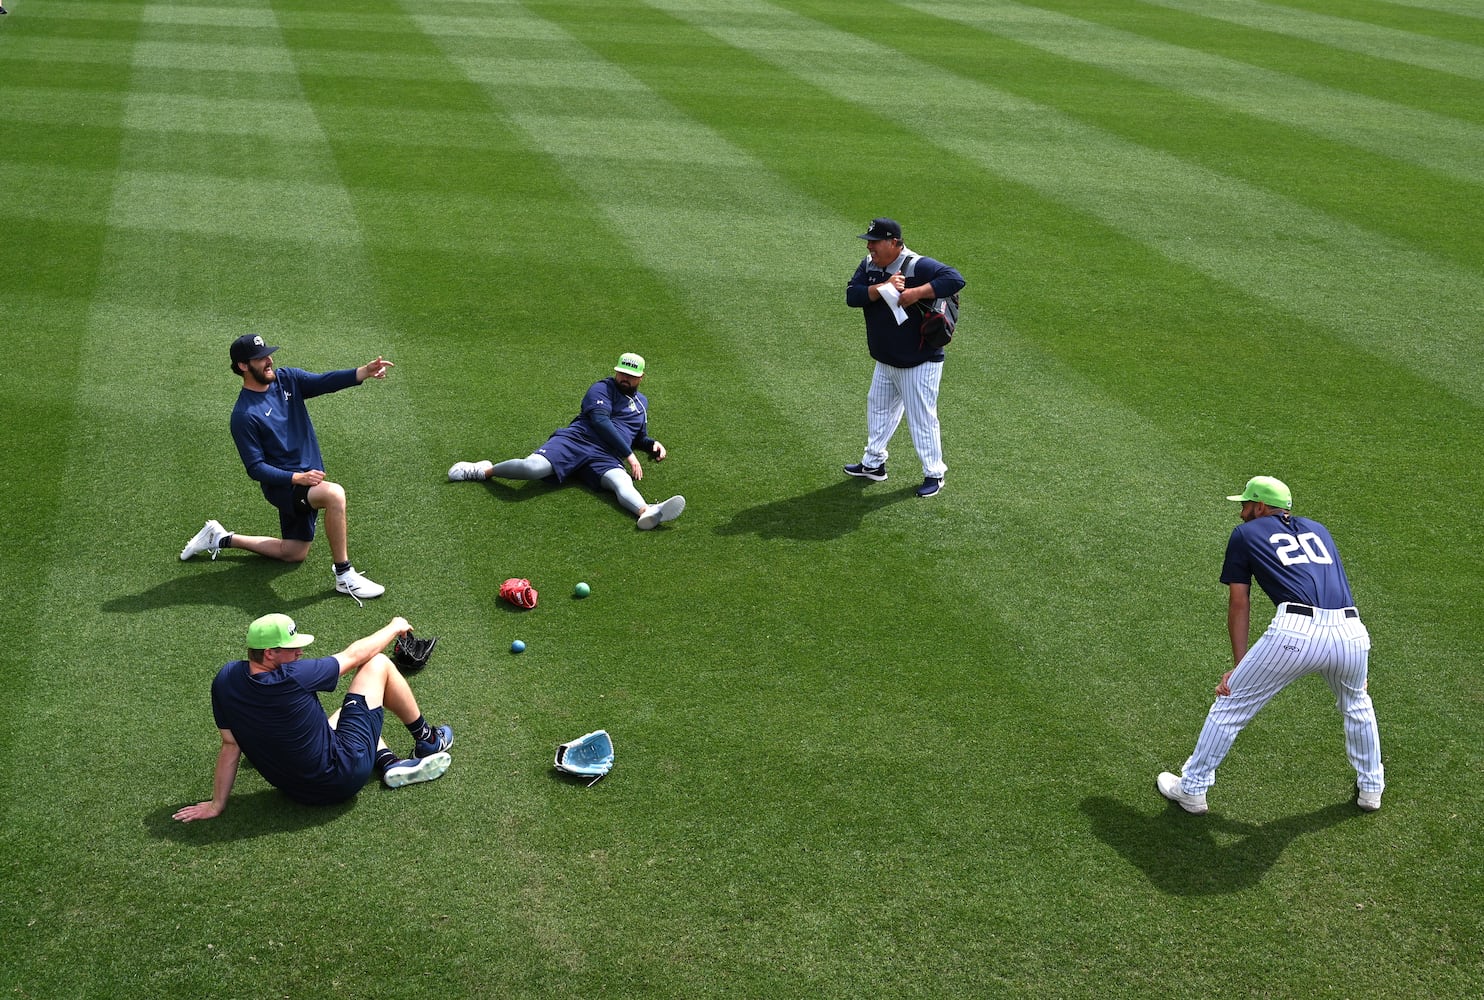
(250, 347)
(1266, 489)
(883, 229)
(630, 364)
(276, 632)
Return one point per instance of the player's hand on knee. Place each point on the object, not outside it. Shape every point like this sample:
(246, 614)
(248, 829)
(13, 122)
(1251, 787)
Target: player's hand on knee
(1223, 688)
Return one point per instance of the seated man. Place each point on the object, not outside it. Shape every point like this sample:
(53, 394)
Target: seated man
(265, 707)
(598, 443)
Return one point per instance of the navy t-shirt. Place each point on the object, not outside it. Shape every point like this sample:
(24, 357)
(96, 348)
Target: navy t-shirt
(281, 727)
(1293, 558)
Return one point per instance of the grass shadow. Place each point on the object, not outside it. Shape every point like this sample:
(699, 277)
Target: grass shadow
(520, 490)
(819, 516)
(255, 814)
(244, 582)
(1185, 855)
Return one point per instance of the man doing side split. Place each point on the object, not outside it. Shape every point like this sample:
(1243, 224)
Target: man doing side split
(599, 444)
(908, 371)
(279, 449)
(1316, 630)
(266, 708)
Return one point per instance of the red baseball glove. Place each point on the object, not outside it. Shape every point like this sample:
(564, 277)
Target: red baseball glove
(518, 591)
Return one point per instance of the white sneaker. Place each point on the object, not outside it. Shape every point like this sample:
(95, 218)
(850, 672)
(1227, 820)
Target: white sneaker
(208, 539)
(671, 509)
(469, 470)
(410, 772)
(658, 513)
(357, 586)
(1169, 787)
(1369, 801)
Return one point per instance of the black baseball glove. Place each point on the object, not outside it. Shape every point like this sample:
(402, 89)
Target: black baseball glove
(411, 653)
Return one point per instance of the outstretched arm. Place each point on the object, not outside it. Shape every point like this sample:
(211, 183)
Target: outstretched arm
(373, 369)
(221, 787)
(359, 653)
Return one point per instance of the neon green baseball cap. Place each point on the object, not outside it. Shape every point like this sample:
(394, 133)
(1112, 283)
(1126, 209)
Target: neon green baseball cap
(1266, 489)
(630, 364)
(276, 632)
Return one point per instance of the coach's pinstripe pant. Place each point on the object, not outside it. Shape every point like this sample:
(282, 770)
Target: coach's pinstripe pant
(1331, 643)
(915, 392)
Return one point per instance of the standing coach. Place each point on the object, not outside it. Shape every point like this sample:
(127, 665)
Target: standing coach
(908, 370)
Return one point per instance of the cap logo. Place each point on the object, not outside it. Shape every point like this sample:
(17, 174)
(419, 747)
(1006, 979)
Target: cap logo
(257, 342)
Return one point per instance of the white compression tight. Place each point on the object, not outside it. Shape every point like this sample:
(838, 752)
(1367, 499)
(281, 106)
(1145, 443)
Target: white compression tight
(537, 467)
(530, 467)
(622, 484)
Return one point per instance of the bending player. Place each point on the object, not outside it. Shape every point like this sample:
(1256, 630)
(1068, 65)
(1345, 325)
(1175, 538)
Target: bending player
(599, 444)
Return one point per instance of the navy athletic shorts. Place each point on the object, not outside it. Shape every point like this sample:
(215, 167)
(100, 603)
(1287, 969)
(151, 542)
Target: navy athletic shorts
(568, 454)
(357, 732)
(296, 518)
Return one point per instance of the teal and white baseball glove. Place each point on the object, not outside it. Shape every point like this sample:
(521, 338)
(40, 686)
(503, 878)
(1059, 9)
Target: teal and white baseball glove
(590, 756)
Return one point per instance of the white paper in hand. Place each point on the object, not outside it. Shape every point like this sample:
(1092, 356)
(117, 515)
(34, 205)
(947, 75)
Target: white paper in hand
(890, 295)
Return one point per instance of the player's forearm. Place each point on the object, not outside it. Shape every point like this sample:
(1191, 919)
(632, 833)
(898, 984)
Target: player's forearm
(1238, 619)
(226, 776)
(359, 653)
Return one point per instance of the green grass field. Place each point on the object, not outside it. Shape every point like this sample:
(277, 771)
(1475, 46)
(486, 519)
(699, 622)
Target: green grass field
(868, 746)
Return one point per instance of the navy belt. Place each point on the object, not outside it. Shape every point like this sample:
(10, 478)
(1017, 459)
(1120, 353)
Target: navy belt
(1308, 612)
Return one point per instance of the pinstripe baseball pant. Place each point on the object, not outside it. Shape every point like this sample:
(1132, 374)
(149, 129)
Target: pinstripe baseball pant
(1331, 643)
(913, 391)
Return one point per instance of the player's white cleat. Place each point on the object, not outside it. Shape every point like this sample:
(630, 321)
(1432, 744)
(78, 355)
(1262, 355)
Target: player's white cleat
(1369, 801)
(658, 513)
(208, 539)
(477, 471)
(357, 586)
(410, 772)
(1169, 787)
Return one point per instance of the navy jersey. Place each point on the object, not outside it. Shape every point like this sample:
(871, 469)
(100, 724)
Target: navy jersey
(626, 419)
(272, 429)
(1293, 558)
(279, 724)
(899, 345)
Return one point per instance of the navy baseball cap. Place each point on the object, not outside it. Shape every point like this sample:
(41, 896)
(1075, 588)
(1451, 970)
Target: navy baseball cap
(882, 229)
(250, 347)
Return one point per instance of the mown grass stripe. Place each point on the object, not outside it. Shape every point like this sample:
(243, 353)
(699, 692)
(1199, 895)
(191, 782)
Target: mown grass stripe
(1408, 134)
(1381, 295)
(1426, 52)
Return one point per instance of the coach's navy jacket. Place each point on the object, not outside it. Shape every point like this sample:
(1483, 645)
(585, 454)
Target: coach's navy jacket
(891, 344)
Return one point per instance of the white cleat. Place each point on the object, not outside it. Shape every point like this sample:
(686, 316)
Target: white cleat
(672, 508)
(1369, 801)
(208, 539)
(357, 586)
(658, 513)
(410, 772)
(475, 471)
(1169, 787)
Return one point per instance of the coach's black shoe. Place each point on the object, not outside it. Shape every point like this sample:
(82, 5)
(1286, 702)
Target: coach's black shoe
(875, 473)
(931, 486)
